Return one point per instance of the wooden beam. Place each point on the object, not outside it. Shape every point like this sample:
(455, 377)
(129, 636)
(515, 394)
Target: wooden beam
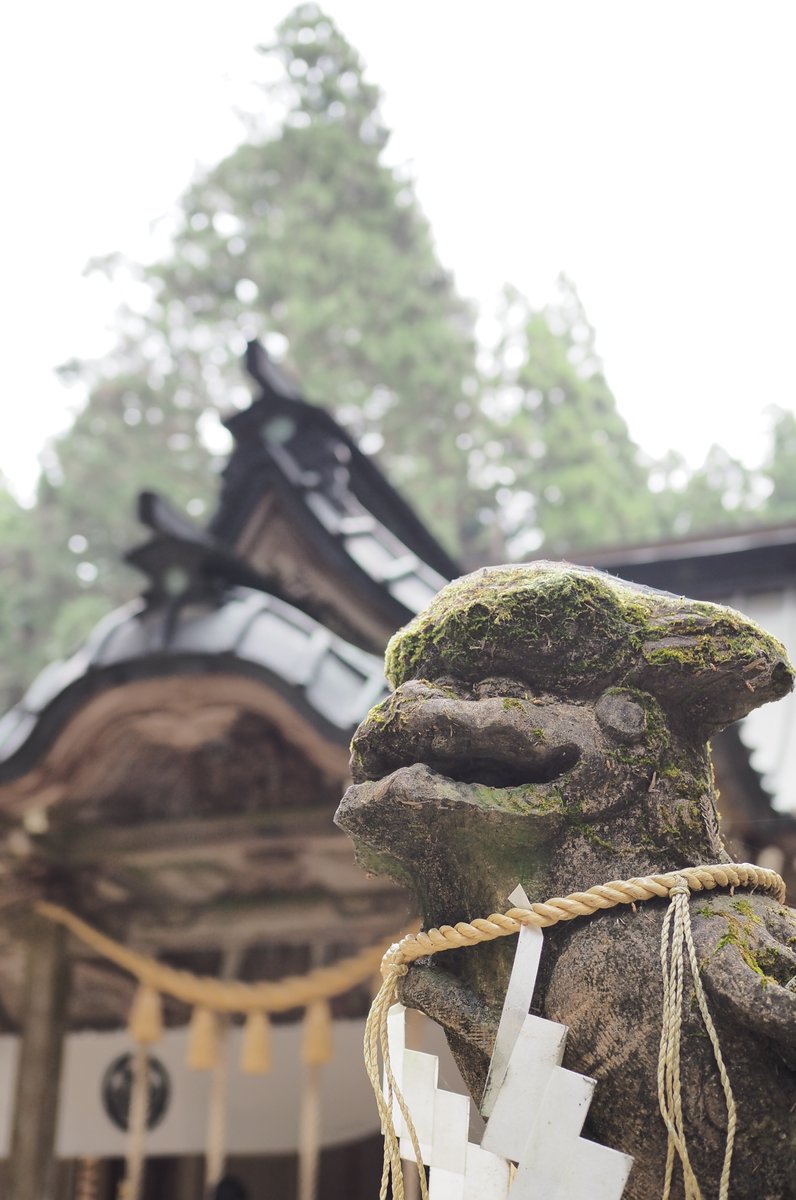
(78, 844)
(39, 1064)
(289, 924)
(99, 734)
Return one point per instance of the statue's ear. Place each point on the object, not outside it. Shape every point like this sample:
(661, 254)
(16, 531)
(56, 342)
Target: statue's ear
(710, 665)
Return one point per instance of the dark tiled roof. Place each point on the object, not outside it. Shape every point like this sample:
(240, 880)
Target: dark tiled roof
(206, 609)
(758, 558)
(341, 497)
(332, 683)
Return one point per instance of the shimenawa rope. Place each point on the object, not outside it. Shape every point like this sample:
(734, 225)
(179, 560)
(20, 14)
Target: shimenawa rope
(676, 940)
(211, 997)
(213, 1000)
(224, 995)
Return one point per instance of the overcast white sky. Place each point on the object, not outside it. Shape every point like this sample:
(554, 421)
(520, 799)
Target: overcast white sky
(647, 149)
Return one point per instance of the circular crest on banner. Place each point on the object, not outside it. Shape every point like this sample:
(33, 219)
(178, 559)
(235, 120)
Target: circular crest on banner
(117, 1088)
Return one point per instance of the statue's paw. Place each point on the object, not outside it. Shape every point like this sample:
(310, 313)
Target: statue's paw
(747, 949)
(470, 1026)
(454, 1007)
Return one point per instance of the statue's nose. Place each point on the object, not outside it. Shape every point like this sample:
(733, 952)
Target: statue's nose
(500, 742)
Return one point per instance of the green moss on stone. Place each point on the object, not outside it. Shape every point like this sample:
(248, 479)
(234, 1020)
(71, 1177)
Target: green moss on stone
(743, 906)
(740, 935)
(575, 631)
(501, 614)
(527, 799)
(375, 862)
(725, 640)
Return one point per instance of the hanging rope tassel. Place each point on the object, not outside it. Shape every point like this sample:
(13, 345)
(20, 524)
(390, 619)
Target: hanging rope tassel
(216, 1153)
(377, 1043)
(255, 1055)
(316, 1047)
(146, 1016)
(677, 943)
(202, 1040)
(131, 1187)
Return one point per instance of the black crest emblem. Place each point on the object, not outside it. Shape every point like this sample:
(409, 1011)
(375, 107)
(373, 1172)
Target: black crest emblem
(117, 1088)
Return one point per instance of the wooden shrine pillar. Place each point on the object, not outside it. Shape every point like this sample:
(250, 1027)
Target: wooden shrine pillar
(31, 1160)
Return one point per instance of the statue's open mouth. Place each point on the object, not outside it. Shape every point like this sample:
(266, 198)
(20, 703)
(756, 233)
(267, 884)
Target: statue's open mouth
(498, 742)
(500, 772)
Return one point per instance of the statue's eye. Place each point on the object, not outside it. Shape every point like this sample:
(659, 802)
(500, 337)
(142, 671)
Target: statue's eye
(622, 716)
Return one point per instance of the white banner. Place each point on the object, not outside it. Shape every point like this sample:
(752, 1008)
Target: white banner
(263, 1111)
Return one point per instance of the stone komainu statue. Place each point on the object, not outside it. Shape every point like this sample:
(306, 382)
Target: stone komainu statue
(549, 726)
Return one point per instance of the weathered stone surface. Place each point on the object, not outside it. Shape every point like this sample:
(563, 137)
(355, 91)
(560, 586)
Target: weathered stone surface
(549, 727)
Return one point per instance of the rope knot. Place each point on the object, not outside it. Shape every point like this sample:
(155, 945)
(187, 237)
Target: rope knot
(681, 887)
(392, 969)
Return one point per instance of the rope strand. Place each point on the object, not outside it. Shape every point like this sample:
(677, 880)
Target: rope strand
(224, 995)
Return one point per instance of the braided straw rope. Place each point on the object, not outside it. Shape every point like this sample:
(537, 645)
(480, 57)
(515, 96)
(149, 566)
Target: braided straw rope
(132, 1186)
(208, 996)
(675, 884)
(225, 995)
(676, 942)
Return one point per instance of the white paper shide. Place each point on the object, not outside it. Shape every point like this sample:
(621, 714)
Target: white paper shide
(535, 1109)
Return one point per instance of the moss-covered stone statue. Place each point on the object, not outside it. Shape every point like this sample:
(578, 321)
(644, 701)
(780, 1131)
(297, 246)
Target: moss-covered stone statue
(549, 726)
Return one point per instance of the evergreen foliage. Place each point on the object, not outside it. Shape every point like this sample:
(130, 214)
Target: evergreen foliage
(570, 474)
(304, 232)
(305, 237)
(310, 234)
(720, 494)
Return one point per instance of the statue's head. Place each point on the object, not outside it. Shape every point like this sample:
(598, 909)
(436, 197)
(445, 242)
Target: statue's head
(539, 702)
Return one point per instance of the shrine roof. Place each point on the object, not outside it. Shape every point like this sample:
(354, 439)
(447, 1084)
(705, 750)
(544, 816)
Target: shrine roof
(210, 607)
(251, 633)
(342, 507)
(708, 565)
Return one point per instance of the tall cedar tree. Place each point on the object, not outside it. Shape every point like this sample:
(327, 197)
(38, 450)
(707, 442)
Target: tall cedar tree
(722, 493)
(568, 474)
(302, 231)
(780, 467)
(310, 234)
